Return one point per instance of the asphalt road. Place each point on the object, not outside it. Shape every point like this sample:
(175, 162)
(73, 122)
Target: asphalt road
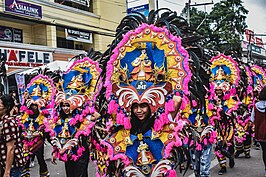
(252, 167)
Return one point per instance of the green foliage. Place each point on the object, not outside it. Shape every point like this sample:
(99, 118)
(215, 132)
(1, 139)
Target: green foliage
(222, 27)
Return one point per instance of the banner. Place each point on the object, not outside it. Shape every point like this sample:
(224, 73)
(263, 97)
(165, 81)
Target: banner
(144, 9)
(76, 35)
(10, 34)
(23, 8)
(81, 2)
(20, 80)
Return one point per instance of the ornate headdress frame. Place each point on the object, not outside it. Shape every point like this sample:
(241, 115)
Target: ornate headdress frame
(259, 77)
(169, 73)
(224, 72)
(40, 91)
(80, 84)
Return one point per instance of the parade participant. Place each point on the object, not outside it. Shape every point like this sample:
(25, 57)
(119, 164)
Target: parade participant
(74, 115)
(12, 158)
(243, 127)
(38, 100)
(147, 75)
(259, 80)
(258, 116)
(224, 80)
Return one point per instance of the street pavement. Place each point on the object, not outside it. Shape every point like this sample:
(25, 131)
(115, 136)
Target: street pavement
(252, 167)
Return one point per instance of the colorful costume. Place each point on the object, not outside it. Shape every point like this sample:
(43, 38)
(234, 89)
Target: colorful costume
(222, 106)
(39, 94)
(71, 123)
(243, 125)
(148, 67)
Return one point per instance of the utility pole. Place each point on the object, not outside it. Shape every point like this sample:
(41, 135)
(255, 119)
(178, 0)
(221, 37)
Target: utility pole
(194, 5)
(188, 12)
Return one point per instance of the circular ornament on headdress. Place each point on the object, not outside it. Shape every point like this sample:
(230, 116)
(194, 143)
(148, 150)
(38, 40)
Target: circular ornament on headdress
(259, 77)
(39, 91)
(224, 72)
(80, 84)
(146, 66)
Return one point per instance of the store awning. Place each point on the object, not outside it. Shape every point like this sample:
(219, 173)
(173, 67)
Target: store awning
(53, 66)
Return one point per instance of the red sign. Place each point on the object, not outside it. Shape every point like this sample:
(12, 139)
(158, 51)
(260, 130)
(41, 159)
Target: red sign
(250, 33)
(259, 42)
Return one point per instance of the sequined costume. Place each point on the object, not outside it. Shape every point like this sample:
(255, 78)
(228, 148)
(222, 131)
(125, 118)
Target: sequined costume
(222, 106)
(71, 121)
(148, 67)
(37, 103)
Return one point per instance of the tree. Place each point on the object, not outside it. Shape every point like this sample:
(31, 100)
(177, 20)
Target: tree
(223, 27)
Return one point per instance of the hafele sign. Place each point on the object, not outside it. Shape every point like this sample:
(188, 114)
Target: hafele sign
(25, 58)
(76, 35)
(23, 8)
(10, 34)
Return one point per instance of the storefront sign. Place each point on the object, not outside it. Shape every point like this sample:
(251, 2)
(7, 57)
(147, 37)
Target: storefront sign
(10, 34)
(81, 2)
(23, 8)
(144, 9)
(256, 49)
(25, 58)
(80, 36)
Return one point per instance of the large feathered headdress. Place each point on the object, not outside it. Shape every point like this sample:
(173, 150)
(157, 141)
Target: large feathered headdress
(224, 73)
(39, 91)
(146, 66)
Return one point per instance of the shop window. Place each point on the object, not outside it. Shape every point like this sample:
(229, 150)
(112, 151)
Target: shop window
(64, 43)
(85, 5)
(79, 47)
(11, 34)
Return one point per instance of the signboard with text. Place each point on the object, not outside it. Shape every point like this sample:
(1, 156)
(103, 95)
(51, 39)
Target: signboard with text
(11, 34)
(76, 35)
(23, 8)
(143, 9)
(250, 37)
(81, 2)
(21, 58)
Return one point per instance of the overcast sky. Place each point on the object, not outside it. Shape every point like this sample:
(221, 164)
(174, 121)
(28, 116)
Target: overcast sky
(256, 19)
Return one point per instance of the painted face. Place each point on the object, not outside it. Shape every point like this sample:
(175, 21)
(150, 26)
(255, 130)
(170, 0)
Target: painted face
(66, 108)
(34, 108)
(141, 111)
(219, 92)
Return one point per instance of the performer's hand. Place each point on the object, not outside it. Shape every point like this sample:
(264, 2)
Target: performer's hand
(62, 151)
(53, 160)
(6, 174)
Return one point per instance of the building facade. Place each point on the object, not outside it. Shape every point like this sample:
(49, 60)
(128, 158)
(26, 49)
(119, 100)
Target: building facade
(36, 32)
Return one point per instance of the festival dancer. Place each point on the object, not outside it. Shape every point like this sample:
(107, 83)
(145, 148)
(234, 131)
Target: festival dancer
(224, 80)
(74, 115)
(143, 104)
(259, 80)
(243, 132)
(38, 99)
